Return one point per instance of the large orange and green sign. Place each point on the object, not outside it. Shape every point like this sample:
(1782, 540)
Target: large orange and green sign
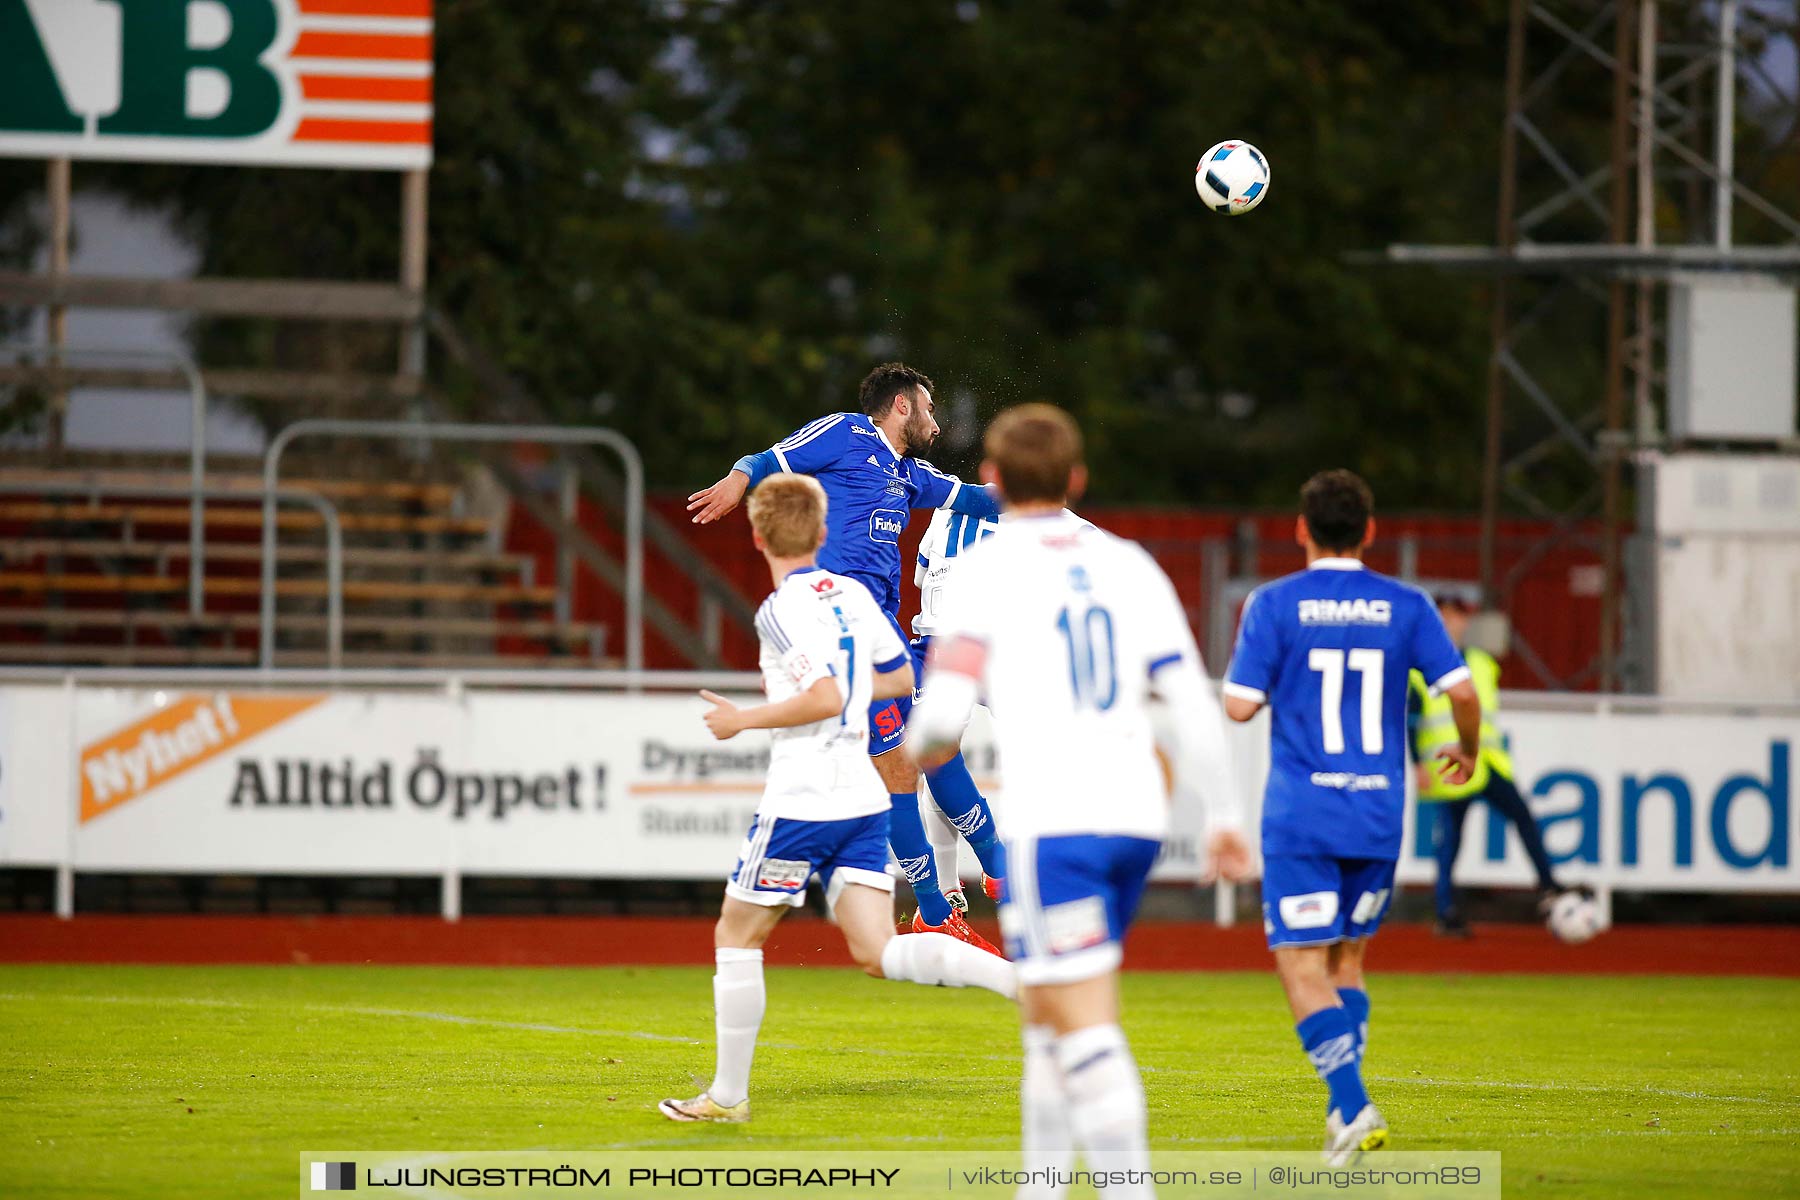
(345, 83)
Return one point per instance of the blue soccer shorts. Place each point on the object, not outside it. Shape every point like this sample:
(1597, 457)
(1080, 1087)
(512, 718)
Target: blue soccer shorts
(887, 718)
(1068, 900)
(780, 855)
(1318, 901)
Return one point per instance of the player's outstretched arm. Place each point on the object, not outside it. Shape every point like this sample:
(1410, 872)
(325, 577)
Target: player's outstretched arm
(938, 490)
(719, 499)
(725, 495)
(726, 720)
(890, 685)
(807, 451)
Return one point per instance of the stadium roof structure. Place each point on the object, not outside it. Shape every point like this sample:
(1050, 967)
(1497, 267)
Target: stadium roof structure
(1674, 72)
(1598, 258)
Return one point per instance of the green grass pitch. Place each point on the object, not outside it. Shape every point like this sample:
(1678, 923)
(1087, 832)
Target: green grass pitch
(208, 1081)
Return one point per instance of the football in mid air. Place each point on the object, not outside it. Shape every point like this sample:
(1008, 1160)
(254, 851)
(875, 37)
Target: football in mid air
(1232, 178)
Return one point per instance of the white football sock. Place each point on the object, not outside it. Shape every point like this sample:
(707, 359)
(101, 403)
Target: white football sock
(1106, 1102)
(738, 1000)
(939, 960)
(943, 838)
(1047, 1139)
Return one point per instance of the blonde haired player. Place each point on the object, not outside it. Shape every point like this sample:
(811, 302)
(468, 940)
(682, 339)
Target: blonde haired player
(827, 653)
(1073, 635)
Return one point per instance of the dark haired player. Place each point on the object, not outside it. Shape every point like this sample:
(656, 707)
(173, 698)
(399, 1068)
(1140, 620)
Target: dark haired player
(867, 462)
(1328, 649)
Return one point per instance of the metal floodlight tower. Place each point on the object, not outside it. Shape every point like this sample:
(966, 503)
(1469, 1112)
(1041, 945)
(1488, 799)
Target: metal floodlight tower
(1583, 223)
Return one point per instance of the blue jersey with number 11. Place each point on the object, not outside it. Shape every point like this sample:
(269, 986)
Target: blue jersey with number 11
(1328, 650)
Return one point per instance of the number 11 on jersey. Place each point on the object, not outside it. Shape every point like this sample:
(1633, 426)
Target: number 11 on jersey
(1330, 664)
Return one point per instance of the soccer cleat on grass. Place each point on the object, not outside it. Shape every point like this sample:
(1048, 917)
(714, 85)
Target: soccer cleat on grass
(957, 928)
(704, 1108)
(1345, 1144)
(992, 886)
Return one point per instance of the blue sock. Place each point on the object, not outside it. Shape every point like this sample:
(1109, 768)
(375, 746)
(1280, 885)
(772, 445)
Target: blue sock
(1356, 1004)
(1330, 1043)
(906, 834)
(955, 792)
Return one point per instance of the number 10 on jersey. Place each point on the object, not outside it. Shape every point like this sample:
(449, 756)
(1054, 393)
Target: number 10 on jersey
(1093, 664)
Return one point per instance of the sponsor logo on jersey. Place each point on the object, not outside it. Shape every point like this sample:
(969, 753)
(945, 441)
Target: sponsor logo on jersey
(825, 584)
(886, 525)
(784, 875)
(1310, 910)
(888, 720)
(1075, 925)
(1346, 612)
(1345, 781)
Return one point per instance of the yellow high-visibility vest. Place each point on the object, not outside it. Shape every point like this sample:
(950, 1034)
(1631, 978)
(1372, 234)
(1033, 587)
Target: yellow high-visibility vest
(1436, 729)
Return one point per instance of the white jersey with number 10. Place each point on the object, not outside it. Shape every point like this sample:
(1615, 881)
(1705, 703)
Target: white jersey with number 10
(1076, 622)
(942, 547)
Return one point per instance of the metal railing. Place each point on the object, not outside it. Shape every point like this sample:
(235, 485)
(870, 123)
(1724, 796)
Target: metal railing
(468, 432)
(452, 680)
(334, 536)
(197, 449)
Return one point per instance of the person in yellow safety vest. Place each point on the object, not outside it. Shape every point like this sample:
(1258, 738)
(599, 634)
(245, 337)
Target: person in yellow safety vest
(1448, 803)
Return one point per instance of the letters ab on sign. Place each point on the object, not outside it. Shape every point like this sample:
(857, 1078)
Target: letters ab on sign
(321, 83)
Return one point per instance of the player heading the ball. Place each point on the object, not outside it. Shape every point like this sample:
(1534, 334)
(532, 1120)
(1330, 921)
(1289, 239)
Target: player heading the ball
(869, 465)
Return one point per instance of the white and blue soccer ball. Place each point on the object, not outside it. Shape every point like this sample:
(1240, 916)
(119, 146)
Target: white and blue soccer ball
(1575, 918)
(1232, 178)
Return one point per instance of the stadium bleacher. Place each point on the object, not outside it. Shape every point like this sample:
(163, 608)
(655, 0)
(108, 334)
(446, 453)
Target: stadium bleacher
(103, 579)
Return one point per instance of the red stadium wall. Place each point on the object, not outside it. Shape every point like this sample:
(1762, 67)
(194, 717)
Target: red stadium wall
(1549, 599)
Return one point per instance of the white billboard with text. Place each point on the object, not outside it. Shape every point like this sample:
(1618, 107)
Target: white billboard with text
(608, 785)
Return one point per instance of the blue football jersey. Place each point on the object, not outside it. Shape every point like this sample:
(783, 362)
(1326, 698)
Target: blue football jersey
(870, 492)
(1328, 650)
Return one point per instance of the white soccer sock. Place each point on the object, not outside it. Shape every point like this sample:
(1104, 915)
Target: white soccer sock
(939, 960)
(1047, 1139)
(1106, 1102)
(738, 1000)
(943, 838)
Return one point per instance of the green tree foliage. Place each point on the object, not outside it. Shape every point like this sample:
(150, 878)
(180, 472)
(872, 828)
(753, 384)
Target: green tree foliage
(702, 222)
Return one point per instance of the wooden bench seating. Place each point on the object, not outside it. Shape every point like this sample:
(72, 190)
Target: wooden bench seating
(574, 633)
(225, 515)
(16, 550)
(393, 491)
(233, 656)
(354, 589)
